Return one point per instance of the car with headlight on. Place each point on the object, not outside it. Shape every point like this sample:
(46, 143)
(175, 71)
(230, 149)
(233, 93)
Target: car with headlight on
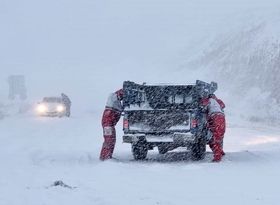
(51, 107)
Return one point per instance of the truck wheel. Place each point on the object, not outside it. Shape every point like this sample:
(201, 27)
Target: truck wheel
(139, 151)
(162, 149)
(198, 150)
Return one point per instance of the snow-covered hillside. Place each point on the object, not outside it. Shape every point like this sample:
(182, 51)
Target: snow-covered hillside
(87, 48)
(246, 62)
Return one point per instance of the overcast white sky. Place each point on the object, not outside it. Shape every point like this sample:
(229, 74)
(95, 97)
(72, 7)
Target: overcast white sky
(91, 32)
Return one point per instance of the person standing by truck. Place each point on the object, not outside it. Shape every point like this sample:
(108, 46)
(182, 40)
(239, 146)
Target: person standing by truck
(67, 103)
(216, 124)
(110, 118)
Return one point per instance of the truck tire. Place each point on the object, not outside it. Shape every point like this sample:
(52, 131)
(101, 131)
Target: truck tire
(198, 150)
(139, 151)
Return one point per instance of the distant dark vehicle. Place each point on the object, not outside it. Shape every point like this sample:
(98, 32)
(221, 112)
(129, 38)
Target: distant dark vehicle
(165, 116)
(51, 107)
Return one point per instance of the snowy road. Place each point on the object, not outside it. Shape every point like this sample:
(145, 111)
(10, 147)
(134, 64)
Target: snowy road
(87, 49)
(35, 152)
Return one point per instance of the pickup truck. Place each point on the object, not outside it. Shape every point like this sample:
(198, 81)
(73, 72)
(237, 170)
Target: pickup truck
(165, 116)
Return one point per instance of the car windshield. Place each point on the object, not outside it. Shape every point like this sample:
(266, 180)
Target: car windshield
(52, 100)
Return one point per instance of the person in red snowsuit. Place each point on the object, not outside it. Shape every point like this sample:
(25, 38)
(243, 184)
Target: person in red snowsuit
(216, 124)
(110, 118)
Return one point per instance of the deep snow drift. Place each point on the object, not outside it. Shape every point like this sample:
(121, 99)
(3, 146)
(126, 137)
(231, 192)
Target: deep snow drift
(87, 49)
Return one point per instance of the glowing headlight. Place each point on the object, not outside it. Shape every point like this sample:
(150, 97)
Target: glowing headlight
(60, 108)
(42, 108)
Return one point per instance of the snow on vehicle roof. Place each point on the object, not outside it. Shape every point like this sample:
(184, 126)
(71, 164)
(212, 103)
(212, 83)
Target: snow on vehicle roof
(52, 99)
(167, 84)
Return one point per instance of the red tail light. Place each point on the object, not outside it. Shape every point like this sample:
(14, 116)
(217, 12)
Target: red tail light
(194, 123)
(125, 124)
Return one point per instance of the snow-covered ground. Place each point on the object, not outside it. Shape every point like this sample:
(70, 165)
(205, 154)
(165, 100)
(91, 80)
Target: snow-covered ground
(87, 48)
(36, 152)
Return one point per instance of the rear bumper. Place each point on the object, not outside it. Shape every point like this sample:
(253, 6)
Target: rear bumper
(176, 138)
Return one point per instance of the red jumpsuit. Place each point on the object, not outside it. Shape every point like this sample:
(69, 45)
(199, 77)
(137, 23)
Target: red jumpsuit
(216, 124)
(110, 118)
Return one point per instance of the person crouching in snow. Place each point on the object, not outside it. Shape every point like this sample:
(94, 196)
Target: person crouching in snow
(110, 118)
(216, 124)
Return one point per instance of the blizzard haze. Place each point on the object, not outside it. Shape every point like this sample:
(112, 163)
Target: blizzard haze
(78, 43)
(87, 48)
